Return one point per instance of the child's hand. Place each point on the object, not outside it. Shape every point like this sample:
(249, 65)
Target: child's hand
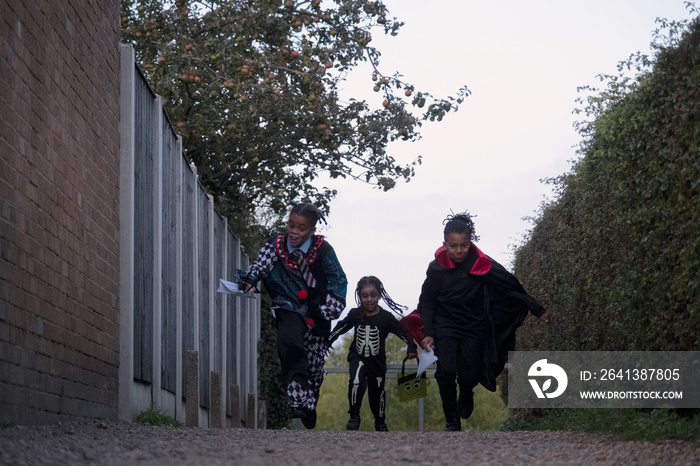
(250, 288)
(411, 355)
(427, 341)
(545, 318)
(327, 351)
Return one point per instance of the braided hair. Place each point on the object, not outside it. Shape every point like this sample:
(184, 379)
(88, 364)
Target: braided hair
(309, 211)
(461, 223)
(371, 280)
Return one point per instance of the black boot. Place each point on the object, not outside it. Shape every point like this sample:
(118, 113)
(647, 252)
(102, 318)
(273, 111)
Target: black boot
(453, 425)
(309, 418)
(354, 422)
(466, 404)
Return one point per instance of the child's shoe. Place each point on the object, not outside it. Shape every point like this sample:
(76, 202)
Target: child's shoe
(453, 425)
(466, 404)
(309, 418)
(353, 423)
(381, 427)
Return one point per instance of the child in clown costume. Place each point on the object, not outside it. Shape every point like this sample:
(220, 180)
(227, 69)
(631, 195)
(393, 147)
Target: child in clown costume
(307, 285)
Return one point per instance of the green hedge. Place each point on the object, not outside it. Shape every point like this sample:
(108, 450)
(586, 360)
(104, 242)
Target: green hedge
(616, 257)
(269, 386)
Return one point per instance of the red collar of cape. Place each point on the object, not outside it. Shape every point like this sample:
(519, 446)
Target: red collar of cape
(481, 266)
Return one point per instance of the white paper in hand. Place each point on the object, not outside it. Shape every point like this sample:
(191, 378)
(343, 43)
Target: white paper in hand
(427, 357)
(232, 288)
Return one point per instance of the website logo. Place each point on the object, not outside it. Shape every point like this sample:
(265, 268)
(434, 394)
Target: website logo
(546, 372)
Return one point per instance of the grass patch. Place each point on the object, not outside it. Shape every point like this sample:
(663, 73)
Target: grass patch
(631, 424)
(156, 417)
(489, 409)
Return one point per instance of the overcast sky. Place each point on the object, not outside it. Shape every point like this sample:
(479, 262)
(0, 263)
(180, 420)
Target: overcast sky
(523, 62)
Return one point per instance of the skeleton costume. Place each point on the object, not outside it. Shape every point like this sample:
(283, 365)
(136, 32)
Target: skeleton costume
(367, 357)
(308, 287)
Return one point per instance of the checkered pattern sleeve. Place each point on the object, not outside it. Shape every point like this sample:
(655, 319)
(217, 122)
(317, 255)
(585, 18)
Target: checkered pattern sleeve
(263, 264)
(332, 308)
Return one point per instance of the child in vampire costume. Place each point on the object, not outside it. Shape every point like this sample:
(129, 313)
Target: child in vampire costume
(307, 285)
(469, 309)
(367, 355)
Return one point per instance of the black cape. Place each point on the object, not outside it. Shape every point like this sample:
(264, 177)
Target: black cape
(506, 304)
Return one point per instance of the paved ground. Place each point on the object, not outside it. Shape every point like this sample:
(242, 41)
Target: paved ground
(121, 443)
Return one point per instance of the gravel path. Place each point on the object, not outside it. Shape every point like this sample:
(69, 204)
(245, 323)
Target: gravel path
(120, 443)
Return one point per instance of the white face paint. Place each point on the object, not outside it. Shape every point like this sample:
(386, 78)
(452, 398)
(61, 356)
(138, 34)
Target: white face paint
(367, 341)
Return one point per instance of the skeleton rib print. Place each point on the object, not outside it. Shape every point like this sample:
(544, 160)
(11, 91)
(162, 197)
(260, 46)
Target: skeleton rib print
(367, 342)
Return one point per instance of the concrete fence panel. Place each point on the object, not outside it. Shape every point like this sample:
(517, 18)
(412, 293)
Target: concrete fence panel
(174, 250)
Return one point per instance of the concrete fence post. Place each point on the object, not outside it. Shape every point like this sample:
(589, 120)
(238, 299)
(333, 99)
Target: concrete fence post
(192, 389)
(250, 415)
(215, 400)
(126, 233)
(234, 399)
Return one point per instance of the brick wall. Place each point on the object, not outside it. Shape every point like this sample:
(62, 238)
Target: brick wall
(59, 225)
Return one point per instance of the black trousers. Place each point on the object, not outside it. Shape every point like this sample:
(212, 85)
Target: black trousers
(290, 346)
(301, 360)
(364, 378)
(459, 363)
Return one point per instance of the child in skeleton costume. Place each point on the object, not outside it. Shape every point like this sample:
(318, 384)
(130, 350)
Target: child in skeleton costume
(367, 356)
(307, 285)
(470, 307)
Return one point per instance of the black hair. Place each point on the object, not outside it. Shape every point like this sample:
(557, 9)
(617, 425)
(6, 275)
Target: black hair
(371, 280)
(460, 223)
(309, 211)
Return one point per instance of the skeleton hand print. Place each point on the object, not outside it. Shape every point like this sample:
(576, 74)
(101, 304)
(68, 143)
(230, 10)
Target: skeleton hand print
(367, 341)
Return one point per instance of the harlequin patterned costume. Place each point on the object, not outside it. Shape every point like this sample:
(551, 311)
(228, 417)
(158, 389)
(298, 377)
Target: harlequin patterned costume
(302, 313)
